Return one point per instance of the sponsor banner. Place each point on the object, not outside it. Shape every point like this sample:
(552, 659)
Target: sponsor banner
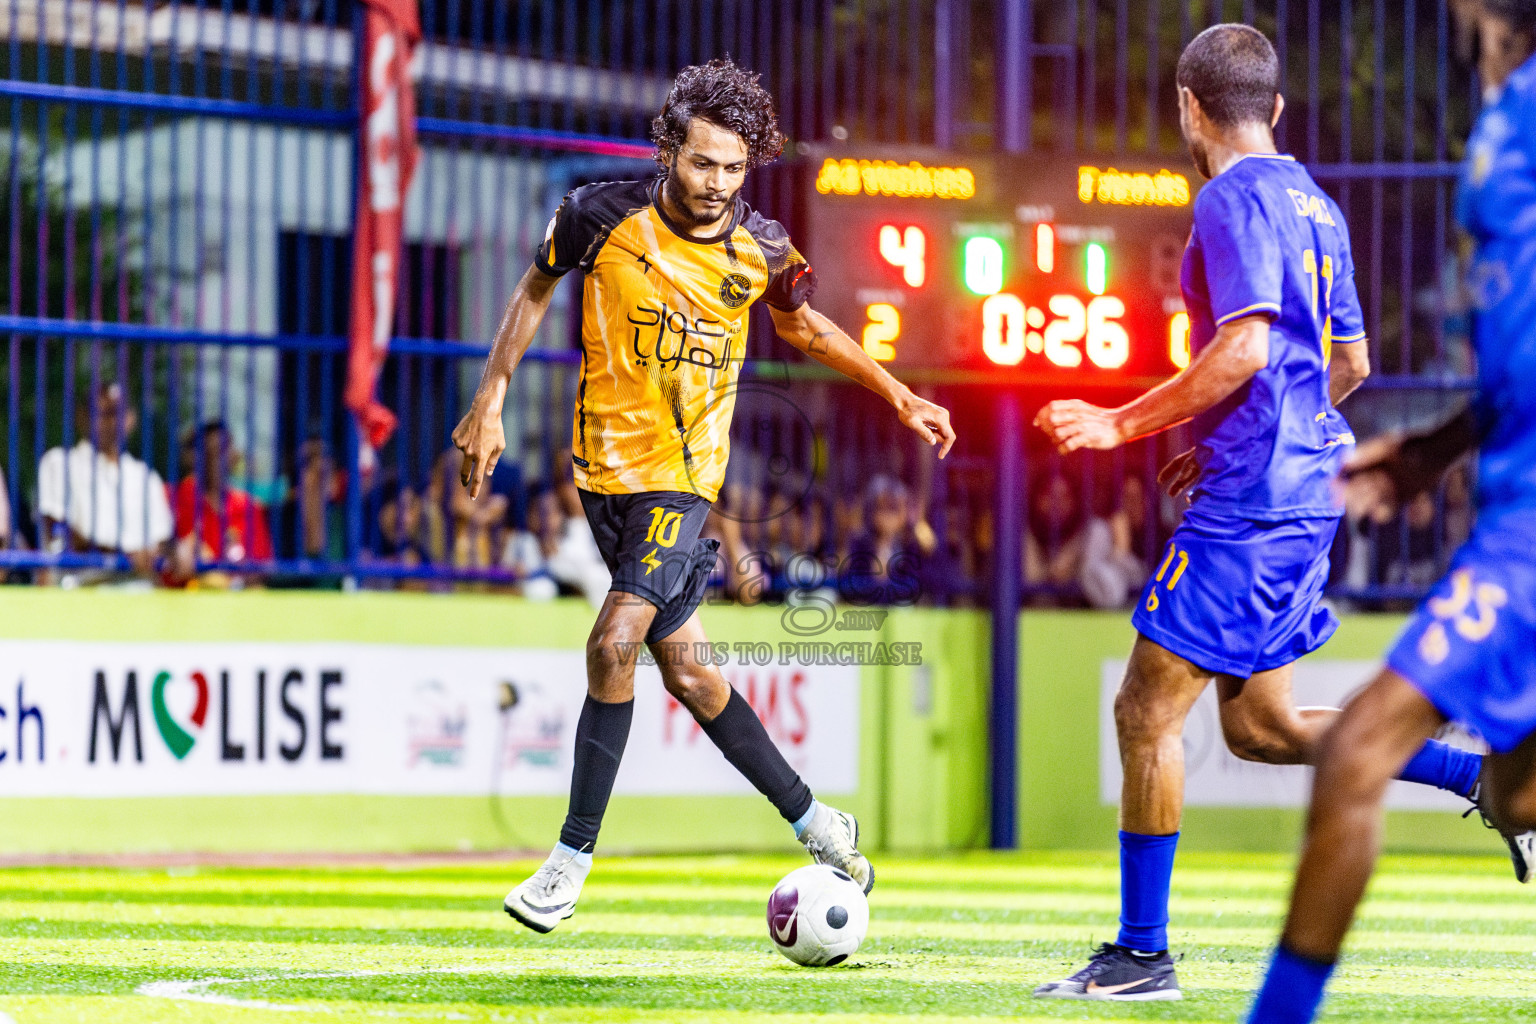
(1213, 777)
(184, 719)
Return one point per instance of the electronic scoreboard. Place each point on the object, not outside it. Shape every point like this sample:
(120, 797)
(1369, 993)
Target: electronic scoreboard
(1035, 268)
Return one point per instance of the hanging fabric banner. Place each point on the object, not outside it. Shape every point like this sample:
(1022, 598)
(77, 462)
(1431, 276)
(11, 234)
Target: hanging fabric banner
(388, 156)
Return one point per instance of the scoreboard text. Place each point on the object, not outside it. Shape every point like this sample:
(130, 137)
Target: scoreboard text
(1041, 266)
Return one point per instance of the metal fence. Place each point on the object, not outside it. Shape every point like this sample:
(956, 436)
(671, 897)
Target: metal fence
(177, 222)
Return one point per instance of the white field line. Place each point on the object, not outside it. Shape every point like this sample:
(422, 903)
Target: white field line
(198, 991)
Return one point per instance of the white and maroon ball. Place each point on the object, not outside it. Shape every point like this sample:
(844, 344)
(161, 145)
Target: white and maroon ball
(817, 916)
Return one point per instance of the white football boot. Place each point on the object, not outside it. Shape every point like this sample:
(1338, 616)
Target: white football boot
(832, 837)
(549, 897)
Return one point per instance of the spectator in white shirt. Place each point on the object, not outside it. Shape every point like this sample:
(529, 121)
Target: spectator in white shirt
(97, 496)
(555, 551)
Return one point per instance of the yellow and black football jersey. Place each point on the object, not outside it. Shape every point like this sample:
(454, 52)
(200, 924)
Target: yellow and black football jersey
(664, 332)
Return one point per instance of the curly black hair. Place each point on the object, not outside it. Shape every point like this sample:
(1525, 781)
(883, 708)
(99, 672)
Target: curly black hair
(727, 96)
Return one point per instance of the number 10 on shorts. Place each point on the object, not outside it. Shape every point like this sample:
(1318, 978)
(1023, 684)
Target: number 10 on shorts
(664, 525)
(1174, 555)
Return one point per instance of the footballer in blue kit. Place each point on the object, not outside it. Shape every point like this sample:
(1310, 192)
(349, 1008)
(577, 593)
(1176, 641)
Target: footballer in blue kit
(1266, 244)
(1467, 653)
(1277, 340)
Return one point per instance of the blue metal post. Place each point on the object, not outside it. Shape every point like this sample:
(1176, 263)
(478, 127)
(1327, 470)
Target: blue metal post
(1015, 75)
(355, 483)
(1007, 551)
(943, 74)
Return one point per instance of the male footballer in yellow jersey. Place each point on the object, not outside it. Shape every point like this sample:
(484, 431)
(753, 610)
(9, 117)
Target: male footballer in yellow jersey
(672, 266)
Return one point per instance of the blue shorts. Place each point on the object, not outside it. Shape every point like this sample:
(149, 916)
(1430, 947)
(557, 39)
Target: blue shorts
(1235, 596)
(1470, 646)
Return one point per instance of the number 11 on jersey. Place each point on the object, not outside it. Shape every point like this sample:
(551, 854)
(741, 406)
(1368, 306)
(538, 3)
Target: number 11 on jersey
(1309, 264)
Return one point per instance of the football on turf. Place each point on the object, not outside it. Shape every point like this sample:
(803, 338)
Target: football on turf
(817, 916)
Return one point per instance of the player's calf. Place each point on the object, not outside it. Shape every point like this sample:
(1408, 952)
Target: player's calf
(1507, 787)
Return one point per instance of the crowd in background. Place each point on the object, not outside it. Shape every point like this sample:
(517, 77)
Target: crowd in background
(1088, 540)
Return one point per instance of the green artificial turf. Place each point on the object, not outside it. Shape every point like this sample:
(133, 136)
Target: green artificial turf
(684, 940)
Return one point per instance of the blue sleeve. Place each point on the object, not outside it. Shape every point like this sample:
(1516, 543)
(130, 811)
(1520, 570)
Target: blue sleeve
(1344, 309)
(1243, 263)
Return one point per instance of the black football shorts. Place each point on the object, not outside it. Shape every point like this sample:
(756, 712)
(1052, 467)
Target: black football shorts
(650, 543)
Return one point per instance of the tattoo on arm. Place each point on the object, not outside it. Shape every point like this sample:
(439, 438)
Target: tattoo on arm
(821, 342)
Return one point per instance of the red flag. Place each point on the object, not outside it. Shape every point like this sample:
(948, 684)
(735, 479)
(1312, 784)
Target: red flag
(388, 160)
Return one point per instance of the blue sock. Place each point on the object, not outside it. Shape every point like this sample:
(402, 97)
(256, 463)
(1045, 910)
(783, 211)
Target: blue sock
(800, 823)
(1292, 990)
(1146, 871)
(1440, 764)
(582, 857)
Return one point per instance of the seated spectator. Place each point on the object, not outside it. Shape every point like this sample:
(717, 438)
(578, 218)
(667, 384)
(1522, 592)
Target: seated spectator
(1408, 552)
(97, 496)
(527, 552)
(884, 559)
(746, 577)
(309, 522)
(214, 521)
(465, 529)
(1116, 556)
(555, 554)
(400, 524)
(847, 523)
(1458, 512)
(814, 539)
(812, 571)
(7, 523)
(781, 537)
(1053, 537)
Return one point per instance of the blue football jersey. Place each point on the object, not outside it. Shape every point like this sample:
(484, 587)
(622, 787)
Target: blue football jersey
(1268, 241)
(1496, 205)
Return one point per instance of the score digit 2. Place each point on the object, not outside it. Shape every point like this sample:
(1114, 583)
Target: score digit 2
(883, 328)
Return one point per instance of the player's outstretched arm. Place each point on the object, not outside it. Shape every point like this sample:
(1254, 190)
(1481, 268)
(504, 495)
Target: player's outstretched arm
(480, 435)
(1239, 350)
(1350, 365)
(823, 341)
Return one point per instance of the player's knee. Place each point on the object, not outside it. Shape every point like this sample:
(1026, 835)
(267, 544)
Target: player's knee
(1139, 714)
(611, 652)
(694, 686)
(1264, 741)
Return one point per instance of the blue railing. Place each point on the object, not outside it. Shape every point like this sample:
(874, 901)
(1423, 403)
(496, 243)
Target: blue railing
(178, 210)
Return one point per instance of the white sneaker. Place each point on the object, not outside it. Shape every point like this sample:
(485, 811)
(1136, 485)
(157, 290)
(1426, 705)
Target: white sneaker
(832, 838)
(549, 897)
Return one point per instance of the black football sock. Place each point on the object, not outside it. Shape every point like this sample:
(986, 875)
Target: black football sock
(740, 735)
(601, 733)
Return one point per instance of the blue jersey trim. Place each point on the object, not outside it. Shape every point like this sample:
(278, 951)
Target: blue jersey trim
(1347, 339)
(1270, 307)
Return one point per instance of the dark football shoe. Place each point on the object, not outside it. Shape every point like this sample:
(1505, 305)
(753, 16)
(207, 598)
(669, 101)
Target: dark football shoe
(1116, 974)
(1522, 845)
